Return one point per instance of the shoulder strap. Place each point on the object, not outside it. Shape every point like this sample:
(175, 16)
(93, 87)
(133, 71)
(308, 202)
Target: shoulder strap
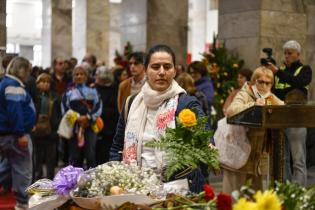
(127, 106)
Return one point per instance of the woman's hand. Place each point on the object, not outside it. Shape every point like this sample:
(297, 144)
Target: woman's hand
(272, 67)
(83, 121)
(260, 102)
(23, 142)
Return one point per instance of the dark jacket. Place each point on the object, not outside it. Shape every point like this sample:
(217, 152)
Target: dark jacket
(55, 115)
(196, 179)
(110, 113)
(206, 87)
(303, 79)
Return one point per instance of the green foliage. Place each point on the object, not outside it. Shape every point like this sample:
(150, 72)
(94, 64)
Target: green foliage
(122, 59)
(223, 67)
(295, 197)
(186, 147)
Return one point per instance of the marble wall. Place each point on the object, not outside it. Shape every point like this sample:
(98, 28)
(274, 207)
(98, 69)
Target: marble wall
(247, 26)
(310, 42)
(133, 24)
(167, 24)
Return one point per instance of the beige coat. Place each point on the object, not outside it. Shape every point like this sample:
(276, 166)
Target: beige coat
(244, 99)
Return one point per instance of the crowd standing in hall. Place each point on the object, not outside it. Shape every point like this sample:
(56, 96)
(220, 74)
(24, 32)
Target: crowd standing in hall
(93, 90)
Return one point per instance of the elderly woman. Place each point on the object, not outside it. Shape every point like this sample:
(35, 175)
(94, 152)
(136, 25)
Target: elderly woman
(108, 91)
(17, 118)
(243, 76)
(85, 101)
(160, 96)
(257, 92)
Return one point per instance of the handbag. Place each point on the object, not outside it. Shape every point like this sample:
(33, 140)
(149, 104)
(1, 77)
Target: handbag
(43, 125)
(232, 144)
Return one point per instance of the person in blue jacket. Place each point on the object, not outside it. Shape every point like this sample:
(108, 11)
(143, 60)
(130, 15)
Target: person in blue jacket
(85, 101)
(203, 83)
(146, 116)
(17, 119)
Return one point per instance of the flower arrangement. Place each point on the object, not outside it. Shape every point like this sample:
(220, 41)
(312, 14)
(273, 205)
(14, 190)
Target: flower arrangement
(282, 196)
(223, 67)
(206, 200)
(117, 178)
(187, 145)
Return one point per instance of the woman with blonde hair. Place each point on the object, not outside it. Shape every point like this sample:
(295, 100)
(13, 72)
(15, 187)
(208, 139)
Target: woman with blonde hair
(255, 93)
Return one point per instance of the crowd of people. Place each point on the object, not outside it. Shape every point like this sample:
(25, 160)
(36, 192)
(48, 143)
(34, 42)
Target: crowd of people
(129, 102)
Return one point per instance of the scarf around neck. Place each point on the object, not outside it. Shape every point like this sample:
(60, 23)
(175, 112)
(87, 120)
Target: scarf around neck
(258, 94)
(166, 104)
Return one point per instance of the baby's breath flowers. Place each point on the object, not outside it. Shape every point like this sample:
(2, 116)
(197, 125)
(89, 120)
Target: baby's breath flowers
(129, 177)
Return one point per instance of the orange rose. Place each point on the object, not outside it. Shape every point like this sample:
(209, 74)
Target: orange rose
(187, 118)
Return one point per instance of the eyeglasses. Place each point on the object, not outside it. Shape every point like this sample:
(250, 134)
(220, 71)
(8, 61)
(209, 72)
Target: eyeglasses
(166, 66)
(262, 82)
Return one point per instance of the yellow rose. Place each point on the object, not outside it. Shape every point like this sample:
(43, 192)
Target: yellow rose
(187, 118)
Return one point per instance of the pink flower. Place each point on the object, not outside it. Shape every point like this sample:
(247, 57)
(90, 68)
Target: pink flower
(130, 153)
(163, 119)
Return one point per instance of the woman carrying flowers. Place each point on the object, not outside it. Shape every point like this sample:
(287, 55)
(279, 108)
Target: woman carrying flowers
(257, 92)
(150, 112)
(86, 108)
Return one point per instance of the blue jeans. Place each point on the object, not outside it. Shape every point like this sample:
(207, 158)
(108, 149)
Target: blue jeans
(18, 166)
(6, 181)
(296, 148)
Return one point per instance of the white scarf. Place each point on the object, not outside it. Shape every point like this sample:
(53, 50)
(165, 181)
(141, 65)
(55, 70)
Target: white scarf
(258, 94)
(166, 103)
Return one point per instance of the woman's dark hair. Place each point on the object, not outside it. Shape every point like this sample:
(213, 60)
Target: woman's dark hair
(117, 73)
(138, 56)
(246, 73)
(198, 67)
(159, 48)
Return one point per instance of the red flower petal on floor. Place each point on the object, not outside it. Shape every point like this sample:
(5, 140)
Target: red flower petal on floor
(224, 202)
(209, 192)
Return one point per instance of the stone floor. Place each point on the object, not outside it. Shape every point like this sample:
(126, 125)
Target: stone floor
(216, 180)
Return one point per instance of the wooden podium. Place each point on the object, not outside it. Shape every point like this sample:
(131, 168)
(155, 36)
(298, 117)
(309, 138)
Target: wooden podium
(275, 119)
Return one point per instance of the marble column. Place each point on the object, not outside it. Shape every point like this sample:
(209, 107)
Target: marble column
(61, 28)
(310, 42)
(97, 28)
(57, 30)
(91, 26)
(247, 26)
(145, 23)
(3, 32)
(167, 24)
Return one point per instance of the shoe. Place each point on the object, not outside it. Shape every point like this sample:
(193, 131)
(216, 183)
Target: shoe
(21, 206)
